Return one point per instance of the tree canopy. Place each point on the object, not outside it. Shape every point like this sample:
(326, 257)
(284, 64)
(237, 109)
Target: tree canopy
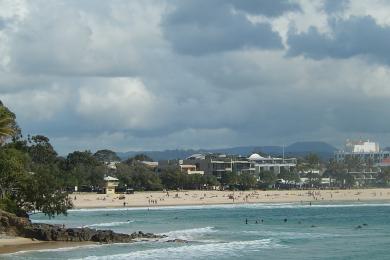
(106, 156)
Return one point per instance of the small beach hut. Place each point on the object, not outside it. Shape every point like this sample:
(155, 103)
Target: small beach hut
(111, 184)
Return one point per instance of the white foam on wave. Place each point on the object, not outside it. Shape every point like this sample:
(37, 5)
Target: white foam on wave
(248, 205)
(110, 224)
(198, 251)
(61, 249)
(189, 234)
(290, 235)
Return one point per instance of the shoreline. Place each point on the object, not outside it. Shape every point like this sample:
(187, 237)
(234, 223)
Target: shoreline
(154, 199)
(21, 244)
(307, 203)
(157, 199)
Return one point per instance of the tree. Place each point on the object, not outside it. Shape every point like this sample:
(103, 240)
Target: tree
(384, 176)
(7, 124)
(172, 178)
(290, 176)
(247, 180)
(313, 160)
(313, 178)
(41, 151)
(138, 176)
(12, 167)
(143, 157)
(268, 177)
(41, 191)
(138, 158)
(230, 178)
(26, 187)
(105, 156)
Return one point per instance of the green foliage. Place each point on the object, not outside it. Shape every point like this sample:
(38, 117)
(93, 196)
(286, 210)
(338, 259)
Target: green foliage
(313, 178)
(313, 160)
(8, 126)
(247, 180)
(81, 158)
(138, 176)
(290, 176)
(82, 168)
(41, 191)
(41, 151)
(268, 177)
(172, 178)
(230, 179)
(13, 164)
(106, 156)
(384, 177)
(143, 157)
(8, 204)
(137, 159)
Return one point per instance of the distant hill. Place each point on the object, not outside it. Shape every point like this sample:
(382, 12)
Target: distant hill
(324, 150)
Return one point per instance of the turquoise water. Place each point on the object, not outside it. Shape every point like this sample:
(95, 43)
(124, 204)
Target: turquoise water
(219, 232)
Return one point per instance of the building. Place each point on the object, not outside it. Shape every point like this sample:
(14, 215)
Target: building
(151, 165)
(111, 165)
(180, 165)
(366, 151)
(110, 184)
(189, 168)
(274, 164)
(219, 164)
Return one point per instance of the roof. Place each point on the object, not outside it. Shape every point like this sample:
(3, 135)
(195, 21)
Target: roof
(255, 157)
(196, 156)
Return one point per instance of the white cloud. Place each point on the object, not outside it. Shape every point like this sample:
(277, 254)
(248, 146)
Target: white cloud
(118, 102)
(37, 104)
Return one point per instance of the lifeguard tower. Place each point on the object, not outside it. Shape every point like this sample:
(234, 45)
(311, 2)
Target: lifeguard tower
(111, 184)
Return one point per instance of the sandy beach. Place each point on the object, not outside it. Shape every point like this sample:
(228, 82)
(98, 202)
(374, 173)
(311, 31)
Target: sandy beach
(9, 244)
(176, 198)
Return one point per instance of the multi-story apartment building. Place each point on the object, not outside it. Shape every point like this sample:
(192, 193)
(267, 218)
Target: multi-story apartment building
(274, 164)
(366, 151)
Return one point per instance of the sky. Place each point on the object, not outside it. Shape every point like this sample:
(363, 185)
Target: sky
(167, 74)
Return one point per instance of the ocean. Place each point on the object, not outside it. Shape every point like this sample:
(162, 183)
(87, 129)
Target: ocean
(274, 231)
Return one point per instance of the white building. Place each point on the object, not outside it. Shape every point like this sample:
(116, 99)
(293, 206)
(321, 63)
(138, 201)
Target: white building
(364, 150)
(275, 164)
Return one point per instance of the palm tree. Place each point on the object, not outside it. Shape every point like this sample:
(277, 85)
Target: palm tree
(7, 122)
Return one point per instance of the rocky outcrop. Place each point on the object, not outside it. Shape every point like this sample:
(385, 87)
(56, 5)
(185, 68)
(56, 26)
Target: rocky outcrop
(47, 232)
(13, 225)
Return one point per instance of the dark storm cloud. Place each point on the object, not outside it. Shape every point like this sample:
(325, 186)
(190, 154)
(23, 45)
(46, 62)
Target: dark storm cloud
(356, 36)
(112, 74)
(204, 27)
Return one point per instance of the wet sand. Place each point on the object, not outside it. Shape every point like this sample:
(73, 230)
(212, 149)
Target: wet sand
(16, 244)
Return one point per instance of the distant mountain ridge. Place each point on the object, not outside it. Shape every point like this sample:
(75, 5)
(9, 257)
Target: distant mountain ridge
(298, 149)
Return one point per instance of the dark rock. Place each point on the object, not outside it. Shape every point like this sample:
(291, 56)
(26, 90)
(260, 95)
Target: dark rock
(177, 241)
(11, 224)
